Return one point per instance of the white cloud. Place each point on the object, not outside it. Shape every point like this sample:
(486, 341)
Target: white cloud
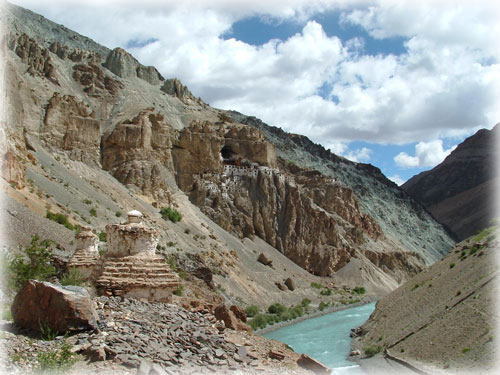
(359, 155)
(447, 83)
(397, 180)
(427, 154)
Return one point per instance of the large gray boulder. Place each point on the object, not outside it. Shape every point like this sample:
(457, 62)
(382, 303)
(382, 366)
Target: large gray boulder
(60, 308)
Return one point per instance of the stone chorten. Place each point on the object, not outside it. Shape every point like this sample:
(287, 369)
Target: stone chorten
(130, 266)
(86, 254)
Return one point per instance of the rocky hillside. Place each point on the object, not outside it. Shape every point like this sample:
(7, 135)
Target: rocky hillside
(443, 317)
(92, 133)
(460, 191)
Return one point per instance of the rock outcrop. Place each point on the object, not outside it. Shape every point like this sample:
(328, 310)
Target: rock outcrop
(42, 305)
(35, 57)
(137, 152)
(70, 125)
(124, 65)
(460, 191)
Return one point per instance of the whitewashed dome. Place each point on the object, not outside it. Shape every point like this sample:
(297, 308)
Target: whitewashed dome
(134, 213)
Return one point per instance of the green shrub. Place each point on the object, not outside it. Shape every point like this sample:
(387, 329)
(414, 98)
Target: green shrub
(60, 219)
(58, 360)
(359, 290)
(182, 275)
(305, 302)
(168, 213)
(258, 321)
(179, 291)
(118, 213)
(93, 212)
(172, 263)
(276, 308)
(372, 350)
(452, 265)
(87, 201)
(102, 236)
(34, 263)
(251, 311)
(326, 292)
(316, 285)
(322, 305)
(72, 277)
(297, 311)
(465, 350)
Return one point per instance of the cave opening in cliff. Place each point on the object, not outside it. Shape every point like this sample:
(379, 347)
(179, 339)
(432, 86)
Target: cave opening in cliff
(228, 155)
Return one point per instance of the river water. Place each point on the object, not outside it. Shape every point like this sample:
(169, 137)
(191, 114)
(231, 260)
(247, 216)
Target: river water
(326, 338)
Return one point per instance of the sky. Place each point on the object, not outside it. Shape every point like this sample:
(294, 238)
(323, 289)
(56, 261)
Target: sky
(397, 84)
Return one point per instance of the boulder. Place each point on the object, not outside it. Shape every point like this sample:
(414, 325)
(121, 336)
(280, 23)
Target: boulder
(276, 354)
(60, 308)
(222, 312)
(315, 366)
(239, 313)
(264, 260)
(290, 284)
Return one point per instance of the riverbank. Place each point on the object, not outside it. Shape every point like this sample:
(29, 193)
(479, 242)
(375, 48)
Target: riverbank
(314, 314)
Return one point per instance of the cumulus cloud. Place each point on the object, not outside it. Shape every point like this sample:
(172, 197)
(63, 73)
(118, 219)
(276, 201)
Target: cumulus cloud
(427, 154)
(446, 84)
(397, 180)
(359, 155)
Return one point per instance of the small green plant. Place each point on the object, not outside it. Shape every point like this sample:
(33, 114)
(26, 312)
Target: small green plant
(372, 350)
(34, 263)
(172, 263)
(46, 332)
(171, 244)
(459, 293)
(72, 277)
(179, 291)
(102, 236)
(322, 305)
(465, 350)
(187, 230)
(93, 212)
(59, 360)
(87, 201)
(182, 275)
(452, 265)
(316, 285)
(326, 292)
(60, 219)
(359, 290)
(415, 287)
(118, 213)
(251, 311)
(168, 213)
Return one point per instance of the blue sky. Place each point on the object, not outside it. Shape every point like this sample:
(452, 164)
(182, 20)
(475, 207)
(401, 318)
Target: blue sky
(391, 83)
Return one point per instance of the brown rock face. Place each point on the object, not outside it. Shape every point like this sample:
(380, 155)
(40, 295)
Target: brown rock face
(124, 65)
(93, 80)
(13, 171)
(138, 154)
(37, 58)
(175, 88)
(62, 309)
(70, 125)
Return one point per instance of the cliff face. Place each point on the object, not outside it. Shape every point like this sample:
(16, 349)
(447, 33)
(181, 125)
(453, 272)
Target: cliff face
(460, 191)
(78, 107)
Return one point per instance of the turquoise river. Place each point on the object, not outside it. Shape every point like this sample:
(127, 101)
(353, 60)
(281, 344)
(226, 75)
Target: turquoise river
(326, 337)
